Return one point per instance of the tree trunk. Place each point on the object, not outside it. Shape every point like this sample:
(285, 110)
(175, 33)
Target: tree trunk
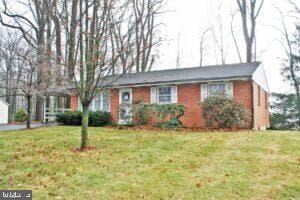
(28, 122)
(84, 126)
(12, 107)
(249, 51)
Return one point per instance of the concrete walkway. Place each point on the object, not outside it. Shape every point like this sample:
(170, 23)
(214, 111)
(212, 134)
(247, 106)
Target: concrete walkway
(12, 127)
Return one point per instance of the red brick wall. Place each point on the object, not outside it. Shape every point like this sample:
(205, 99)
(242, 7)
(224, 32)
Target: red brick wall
(261, 111)
(74, 103)
(189, 96)
(114, 104)
(242, 93)
(141, 94)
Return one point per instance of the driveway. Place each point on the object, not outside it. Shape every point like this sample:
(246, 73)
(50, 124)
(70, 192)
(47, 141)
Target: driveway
(11, 127)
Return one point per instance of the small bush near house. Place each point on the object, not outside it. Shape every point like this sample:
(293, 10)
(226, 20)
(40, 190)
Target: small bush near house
(168, 115)
(172, 123)
(222, 112)
(75, 118)
(141, 113)
(70, 118)
(99, 118)
(20, 116)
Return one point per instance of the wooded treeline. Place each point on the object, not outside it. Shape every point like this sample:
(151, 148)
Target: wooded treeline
(118, 36)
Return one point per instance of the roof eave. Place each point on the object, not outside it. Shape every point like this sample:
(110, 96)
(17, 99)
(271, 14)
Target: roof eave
(203, 80)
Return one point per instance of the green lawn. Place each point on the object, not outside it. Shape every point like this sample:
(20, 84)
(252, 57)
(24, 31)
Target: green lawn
(151, 165)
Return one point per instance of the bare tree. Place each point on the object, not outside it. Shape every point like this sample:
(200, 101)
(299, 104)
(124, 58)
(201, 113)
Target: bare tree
(32, 27)
(178, 58)
(25, 82)
(234, 37)
(122, 31)
(90, 52)
(249, 9)
(202, 45)
(10, 44)
(32, 81)
(218, 37)
(145, 16)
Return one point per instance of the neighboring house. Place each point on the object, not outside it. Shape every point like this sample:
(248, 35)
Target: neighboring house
(3, 112)
(245, 83)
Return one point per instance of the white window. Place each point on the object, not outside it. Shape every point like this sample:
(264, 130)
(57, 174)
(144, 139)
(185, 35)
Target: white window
(217, 89)
(164, 94)
(100, 102)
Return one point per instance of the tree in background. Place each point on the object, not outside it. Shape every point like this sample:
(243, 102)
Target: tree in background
(284, 112)
(10, 67)
(32, 26)
(293, 74)
(285, 108)
(249, 10)
(291, 63)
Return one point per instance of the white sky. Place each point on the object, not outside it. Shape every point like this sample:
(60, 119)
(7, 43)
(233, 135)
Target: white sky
(191, 17)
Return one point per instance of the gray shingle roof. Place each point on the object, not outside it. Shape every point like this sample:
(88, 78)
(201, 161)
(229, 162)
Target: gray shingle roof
(207, 73)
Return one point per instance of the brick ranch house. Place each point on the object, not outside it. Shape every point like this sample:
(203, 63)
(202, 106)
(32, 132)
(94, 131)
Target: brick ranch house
(245, 83)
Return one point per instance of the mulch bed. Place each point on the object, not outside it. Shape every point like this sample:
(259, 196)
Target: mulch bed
(78, 149)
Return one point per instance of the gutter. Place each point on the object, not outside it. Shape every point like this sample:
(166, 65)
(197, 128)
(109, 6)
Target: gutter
(245, 78)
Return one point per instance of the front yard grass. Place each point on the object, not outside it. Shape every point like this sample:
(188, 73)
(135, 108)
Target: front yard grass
(151, 165)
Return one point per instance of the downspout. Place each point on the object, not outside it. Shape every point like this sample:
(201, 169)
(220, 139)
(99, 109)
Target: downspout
(252, 101)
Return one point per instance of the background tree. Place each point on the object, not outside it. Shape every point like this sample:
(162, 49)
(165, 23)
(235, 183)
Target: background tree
(203, 45)
(32, 26)
(10, 67)
(291, 63)
(249, 10)
(146, 37)
(284, 112)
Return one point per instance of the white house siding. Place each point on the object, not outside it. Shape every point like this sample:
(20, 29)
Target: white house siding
(3, 112)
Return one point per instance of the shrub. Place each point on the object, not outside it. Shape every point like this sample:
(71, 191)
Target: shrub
(70, 118)
(222, 112)
(168, 114)
(169, 111)
(141, 113)
(172, 123)
(99, 118)
(75, 118)
(20, 116)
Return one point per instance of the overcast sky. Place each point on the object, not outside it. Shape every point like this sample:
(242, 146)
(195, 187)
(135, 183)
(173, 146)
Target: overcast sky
(191, 17)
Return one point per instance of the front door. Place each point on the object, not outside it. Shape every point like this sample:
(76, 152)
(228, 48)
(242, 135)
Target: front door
(125, 106)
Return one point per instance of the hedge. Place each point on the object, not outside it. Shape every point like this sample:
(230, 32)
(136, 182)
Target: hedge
(74, 118)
